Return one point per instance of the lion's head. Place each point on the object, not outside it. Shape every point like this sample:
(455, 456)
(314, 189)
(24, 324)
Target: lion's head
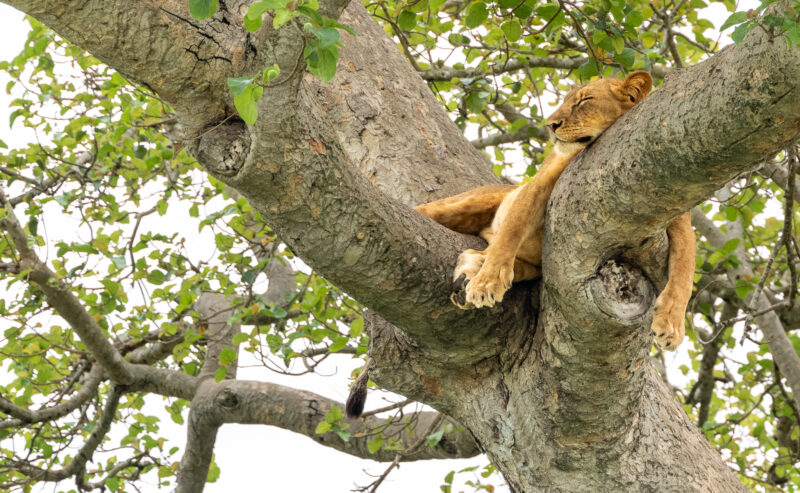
(588, 110)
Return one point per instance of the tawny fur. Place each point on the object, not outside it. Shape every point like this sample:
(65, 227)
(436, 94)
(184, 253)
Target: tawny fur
(511, 219)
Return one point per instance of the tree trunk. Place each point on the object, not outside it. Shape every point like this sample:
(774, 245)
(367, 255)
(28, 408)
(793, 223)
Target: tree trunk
(555, 384)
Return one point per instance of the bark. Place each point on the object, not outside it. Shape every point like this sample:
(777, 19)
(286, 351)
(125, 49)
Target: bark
(555, 384)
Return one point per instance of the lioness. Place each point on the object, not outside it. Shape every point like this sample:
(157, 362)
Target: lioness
(511, 218)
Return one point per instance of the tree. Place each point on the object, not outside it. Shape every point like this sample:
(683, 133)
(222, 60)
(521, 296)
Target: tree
(557, 385)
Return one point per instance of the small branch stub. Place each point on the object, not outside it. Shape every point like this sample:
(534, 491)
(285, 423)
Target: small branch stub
(621, 292)
(223, 149)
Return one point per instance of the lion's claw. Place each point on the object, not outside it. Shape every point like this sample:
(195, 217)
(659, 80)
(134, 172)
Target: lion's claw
(459, 295)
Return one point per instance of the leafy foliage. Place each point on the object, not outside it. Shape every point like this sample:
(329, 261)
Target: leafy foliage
(321, 53)
(99, 194)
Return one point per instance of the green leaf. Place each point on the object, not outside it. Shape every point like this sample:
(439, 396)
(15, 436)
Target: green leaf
(729, 246)
(731, 213)
(240, 338)
(323, 427)
(312, 14)
(246, 105)
(326, 36)
(334, 415)
(524, 11)
(239, 85)
(282, 16)
(736, 18)
(474, 102)
(344, 435)
(626, 58)
(598, 36)
(270, 73)
(227, 355)
(336, 24)
(634, 19)
(203, 9)
(407, 20)
(588, 69)
(792, 34)
(435, 438)
(375, 444)
(253, 22)
(357, 327)
(619, 44)
(338, 344)
(743, 288)
(476, 14)
(512, 29)
(547, 11)
(213, 473)
(321, 61)
(254, 16)
(219, 375)
(739, 33)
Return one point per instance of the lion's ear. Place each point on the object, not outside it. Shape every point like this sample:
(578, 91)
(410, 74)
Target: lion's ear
(635, 87)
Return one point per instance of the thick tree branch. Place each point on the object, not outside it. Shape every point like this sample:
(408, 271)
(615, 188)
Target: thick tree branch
(248, 402)
(668, 153)
(214, 310)
(319, 200)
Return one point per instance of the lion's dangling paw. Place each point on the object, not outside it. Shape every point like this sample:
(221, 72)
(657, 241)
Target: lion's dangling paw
(489, 286)
(668, 322)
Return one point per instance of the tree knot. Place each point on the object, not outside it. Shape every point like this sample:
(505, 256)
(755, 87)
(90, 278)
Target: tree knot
(621, 291)
(227, 399)
(223, 149)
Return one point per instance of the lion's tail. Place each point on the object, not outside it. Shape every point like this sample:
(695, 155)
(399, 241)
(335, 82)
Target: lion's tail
(358, 393)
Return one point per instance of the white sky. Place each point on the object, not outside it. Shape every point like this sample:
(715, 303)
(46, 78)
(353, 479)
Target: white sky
(268, 459)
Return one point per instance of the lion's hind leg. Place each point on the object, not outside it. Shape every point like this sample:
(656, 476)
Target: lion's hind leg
(670, 312)
(469, 212)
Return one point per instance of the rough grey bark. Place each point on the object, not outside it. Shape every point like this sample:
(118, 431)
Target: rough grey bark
(555, 384)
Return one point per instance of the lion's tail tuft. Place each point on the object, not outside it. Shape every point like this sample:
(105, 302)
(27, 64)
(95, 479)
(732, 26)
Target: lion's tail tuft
(358, 393)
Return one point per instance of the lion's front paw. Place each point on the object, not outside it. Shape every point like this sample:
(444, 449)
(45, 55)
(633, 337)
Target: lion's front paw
(668, 322)
(489, 286)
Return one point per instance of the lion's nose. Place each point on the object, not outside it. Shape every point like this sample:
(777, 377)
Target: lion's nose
(554, 125)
